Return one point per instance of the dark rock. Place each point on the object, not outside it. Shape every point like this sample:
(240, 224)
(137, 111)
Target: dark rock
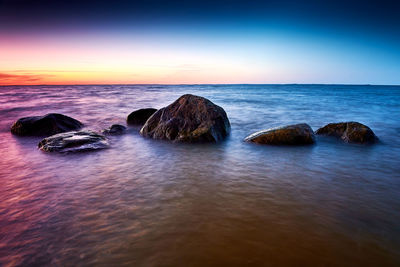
(115, 129)
(73, 142)
(189, 119)
(350, 132)
(49, 124)
(298, 134)
(139, 117)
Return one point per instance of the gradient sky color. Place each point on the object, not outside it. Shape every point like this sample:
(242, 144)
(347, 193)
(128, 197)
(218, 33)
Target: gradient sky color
(173, 42)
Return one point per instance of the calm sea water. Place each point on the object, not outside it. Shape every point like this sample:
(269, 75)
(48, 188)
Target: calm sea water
(153, 203)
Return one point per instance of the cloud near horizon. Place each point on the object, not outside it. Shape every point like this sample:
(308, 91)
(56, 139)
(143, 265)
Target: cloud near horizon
(21, 79)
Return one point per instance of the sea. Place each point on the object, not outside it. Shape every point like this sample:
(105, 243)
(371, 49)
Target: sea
(145, 202)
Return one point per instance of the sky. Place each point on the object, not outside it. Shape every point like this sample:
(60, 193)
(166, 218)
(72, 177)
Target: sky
(194, 42)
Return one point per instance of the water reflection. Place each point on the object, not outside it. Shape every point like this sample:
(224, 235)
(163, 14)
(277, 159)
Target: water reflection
(153, 203)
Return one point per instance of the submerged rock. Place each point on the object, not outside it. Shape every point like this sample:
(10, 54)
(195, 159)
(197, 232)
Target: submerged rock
(189, 119)
(298, 134)
(115, 129)
(139, 117)
(74, 142)
(49, 124)
(350, 132)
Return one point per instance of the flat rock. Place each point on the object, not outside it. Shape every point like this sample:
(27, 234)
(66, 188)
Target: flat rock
(115, 129)
(297, 134)
(140, 116)
(349, 132)
(49, 124)
(189, 119)
(73, 142)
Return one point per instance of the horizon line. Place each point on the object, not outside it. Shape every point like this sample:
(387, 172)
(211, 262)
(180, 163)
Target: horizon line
(175, 84)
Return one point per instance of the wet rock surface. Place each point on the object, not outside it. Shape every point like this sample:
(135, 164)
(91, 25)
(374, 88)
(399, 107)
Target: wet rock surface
(75, 141)
(349, 132)
(115, 129)
(297, 134)
(139, 117)
(189, 119)
(48, 124)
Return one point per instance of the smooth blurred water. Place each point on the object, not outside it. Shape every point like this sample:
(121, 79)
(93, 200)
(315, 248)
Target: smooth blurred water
(153, 203)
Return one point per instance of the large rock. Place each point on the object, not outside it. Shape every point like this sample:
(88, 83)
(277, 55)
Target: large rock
(115, 129)
(73, 142)
(189, 119)
(49, 124)
(350, 132)
(298, 134)
(139, 117)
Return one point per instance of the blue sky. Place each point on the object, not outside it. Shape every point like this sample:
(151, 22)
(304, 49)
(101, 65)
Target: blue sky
(355, 42)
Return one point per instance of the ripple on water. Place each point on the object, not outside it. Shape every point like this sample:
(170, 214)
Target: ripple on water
(152, 203)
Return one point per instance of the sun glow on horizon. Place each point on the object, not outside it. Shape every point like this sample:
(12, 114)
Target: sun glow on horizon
(99, 61)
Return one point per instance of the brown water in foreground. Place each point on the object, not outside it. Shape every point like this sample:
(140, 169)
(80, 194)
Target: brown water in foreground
(150, 203)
